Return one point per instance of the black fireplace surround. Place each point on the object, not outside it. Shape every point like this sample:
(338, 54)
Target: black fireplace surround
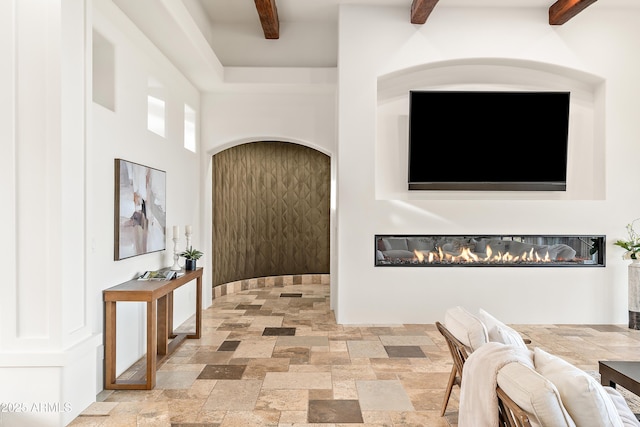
(489, 250)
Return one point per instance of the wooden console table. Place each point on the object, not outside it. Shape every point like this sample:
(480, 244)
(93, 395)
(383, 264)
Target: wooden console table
(161, 340)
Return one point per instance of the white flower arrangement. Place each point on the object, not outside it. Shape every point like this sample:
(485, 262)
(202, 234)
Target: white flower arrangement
(632, 245)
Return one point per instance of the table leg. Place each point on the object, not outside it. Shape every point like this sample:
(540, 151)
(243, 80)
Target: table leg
(163, 325)
(109, 344)
(171, 334)
(198, 306)
(197, 333)
(152, 343)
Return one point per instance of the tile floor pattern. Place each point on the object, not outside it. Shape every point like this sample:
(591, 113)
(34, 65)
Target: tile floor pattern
(276, 357)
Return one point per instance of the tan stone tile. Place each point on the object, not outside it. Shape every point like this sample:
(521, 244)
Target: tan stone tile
(383, 395)
(293, 418)
(297, 380)
(424, 380)
(310, 368)
(303, 341)
(338, 346)
(186, 410)
(369, 349)
(86, 421)
(426, 400)
(211, 416)
(122, 420)
(406, 340)
(421, 418)
(269, 321)
(329, 358)
(377, 418)
(251, 418)
(175, 379)
(260, 347)
(345, 389)
(321, 394)
(350, 372)
(283, 400)
(233, 395)
(210, 358)
(99, 408)
(154, 414)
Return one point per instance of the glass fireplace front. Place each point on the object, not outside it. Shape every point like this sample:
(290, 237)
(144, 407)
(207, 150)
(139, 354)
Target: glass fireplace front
(489, 250)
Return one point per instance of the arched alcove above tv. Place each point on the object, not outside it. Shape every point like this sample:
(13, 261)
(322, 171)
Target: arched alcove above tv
(586, 141)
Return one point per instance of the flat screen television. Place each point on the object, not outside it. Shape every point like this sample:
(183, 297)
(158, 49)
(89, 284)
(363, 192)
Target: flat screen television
(488, 141)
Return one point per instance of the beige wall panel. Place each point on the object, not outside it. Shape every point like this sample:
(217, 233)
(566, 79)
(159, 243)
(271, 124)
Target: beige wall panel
(270, 212)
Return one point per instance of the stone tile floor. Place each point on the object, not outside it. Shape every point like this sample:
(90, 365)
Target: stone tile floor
(276, 357)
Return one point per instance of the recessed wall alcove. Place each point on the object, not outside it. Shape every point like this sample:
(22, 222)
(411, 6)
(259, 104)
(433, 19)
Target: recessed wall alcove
(586, 157)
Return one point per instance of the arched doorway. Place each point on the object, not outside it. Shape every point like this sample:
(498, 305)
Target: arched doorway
(271, 211)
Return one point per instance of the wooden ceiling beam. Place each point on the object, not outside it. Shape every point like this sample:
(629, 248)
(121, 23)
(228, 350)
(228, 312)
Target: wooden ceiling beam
(420, 10)
(563, 10)
(268, 13)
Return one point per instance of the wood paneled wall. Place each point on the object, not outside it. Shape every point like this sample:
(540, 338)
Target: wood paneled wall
(271, 203)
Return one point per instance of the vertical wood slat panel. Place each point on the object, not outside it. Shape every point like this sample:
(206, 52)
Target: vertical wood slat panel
(271, 211)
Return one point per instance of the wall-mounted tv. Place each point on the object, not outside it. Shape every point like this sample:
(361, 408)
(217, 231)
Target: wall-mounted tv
(488, 141)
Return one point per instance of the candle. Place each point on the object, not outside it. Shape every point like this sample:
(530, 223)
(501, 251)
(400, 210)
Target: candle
(176, 231)
(188, 229)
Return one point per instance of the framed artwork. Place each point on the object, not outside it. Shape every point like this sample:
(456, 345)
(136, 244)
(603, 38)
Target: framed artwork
(140, 209)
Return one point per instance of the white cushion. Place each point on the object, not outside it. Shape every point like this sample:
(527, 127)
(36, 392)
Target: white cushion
(466, 327)
(535, 394)
(499, 332)
(627, 416)
(392, 243)
(585, 399)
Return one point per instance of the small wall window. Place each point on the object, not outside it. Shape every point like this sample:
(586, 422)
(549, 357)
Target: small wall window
(103, 72)
(155, 115)
(189, 128)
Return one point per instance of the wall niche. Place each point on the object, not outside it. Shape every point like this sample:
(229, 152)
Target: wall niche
(586, 160)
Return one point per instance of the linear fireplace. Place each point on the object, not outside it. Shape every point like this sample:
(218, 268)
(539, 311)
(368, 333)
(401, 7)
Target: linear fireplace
(489, 251)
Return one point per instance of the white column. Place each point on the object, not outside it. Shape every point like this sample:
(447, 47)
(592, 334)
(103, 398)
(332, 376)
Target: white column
(47, 351)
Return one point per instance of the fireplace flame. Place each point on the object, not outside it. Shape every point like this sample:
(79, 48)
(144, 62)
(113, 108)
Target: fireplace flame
(466, 255)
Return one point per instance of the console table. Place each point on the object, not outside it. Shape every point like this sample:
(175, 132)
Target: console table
(161, 340)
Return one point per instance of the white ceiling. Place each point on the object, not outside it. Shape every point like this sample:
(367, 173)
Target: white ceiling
(231, 29)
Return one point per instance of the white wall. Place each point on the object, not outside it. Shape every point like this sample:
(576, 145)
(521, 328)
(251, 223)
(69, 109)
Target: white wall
(589, 55)
(276, 110)
(123, 134)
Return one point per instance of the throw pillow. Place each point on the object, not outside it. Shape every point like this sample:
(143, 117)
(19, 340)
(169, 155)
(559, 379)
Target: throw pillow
(585, 399)
(499, 332)
(627, 416)
(535, 395)
(392, 243)
(466, 327)
(398, 253)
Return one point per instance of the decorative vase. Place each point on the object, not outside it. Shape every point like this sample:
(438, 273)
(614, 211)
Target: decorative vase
(634, 294)
(190, 264)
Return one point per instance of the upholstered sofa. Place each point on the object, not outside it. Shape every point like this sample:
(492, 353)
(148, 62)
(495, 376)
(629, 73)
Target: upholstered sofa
(405, 247)
(547, 389)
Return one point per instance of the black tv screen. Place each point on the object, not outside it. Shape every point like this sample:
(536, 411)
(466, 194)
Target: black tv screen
(488, 141)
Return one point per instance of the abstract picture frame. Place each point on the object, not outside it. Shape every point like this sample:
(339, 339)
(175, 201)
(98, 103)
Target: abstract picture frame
(140, 209)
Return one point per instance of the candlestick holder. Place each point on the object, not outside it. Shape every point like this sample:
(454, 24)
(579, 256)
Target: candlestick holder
(188, 236)
(176, 265)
